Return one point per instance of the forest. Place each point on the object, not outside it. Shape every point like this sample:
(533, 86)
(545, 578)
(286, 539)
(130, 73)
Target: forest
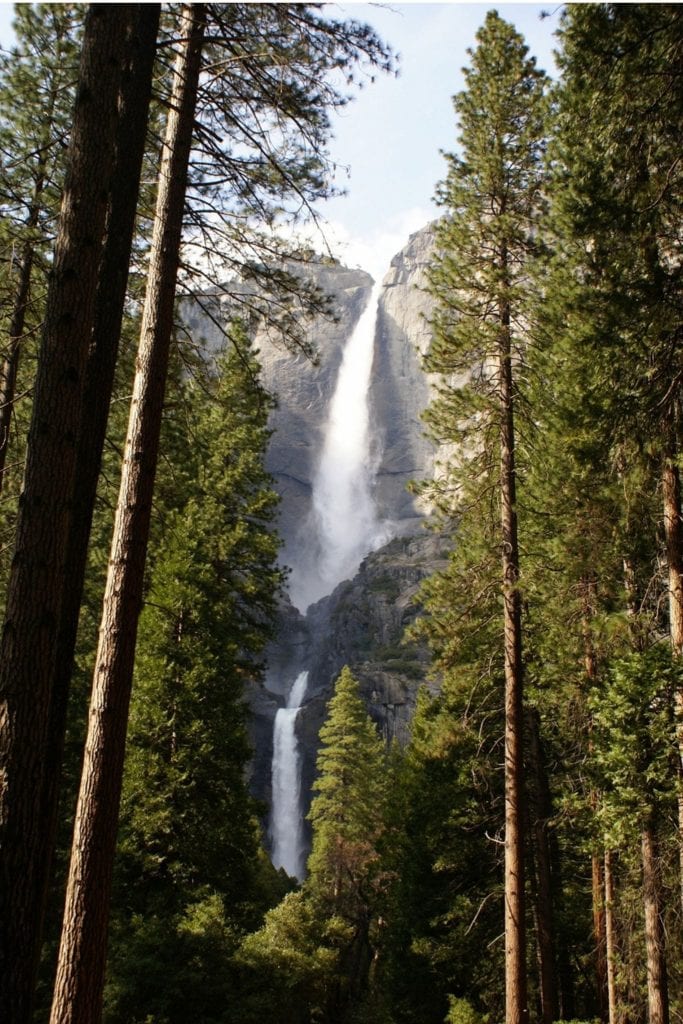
(521, 858)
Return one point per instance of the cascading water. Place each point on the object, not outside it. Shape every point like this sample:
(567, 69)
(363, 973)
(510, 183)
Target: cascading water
(345, 528)
(286, 824)
(345, 525)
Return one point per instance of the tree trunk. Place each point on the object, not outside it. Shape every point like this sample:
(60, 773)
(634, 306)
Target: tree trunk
(516, 1008)
(34, 594)
(540, 814)
(615, 1014)
(99, 379)
(590, 663)
(673, 530)
(80, 974)
(657, 983)
(600, 934)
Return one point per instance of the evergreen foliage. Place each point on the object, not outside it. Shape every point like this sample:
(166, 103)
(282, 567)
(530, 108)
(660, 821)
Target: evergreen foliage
(186, 893)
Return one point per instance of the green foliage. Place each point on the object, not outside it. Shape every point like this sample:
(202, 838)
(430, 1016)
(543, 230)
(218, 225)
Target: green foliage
(462, 1012)
(190, 877)
(297, 953)
(493, 199)
(346, 812)
(635, 740)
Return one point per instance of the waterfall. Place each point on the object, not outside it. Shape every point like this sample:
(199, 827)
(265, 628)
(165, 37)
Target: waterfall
(344, 528)
(286, 819)
(345, 525)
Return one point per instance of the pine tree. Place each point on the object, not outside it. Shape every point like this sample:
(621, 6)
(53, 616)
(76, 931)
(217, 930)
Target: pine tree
(348, 818)
(621, 117)
(80, 972)
(480, 281)
(36, 581)
(189, 841)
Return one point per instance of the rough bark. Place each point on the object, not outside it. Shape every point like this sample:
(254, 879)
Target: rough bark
(599, 933)
(80, 974)
(590, 663)
(673, 530)
(540, 812)
(657, 982)
(28, 644)
(99, 379)
(615, 1015)
(516, 1008)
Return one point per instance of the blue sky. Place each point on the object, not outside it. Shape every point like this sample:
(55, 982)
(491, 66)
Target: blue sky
(391, 135)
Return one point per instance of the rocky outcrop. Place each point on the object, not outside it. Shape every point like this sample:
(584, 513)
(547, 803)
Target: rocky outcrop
(361, 624)
(400, 389)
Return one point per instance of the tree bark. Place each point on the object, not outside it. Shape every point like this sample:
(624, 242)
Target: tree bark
(99, 380)
(615, 1015)
(80, 974)
(516, 1007)
(539, 816)
(673, 531)
(34, 594)
(657, 982)
(590, 663)
(599, 933)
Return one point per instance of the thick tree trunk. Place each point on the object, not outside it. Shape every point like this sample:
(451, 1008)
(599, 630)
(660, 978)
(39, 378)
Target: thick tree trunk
(673, 529)
(657, 983)
(99, 379)
(516, 1008)
(539, 814)
(80, 975)
(28, 645)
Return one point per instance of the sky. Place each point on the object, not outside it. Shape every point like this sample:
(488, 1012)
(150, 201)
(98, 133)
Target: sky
(387, 141)
(391, 137)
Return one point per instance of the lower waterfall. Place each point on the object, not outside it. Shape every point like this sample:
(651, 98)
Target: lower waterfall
(286, 825)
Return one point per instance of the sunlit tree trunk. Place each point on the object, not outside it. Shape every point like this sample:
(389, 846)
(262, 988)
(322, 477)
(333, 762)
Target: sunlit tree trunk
(540, 812)
(657, 981)
(590, 663)
(673, 529)
(615, 1015)
(515, 930)
(80, 974)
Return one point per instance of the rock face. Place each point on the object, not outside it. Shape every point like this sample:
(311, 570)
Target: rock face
(361, 624)
(363, 621)
(400, 389)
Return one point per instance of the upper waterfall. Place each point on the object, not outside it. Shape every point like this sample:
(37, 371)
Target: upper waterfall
(344, 522)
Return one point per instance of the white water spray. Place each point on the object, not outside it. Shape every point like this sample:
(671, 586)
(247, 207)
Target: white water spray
(286, 826)
(345, 521)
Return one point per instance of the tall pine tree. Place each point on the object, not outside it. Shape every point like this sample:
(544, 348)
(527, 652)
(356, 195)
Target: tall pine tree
(480, 280)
